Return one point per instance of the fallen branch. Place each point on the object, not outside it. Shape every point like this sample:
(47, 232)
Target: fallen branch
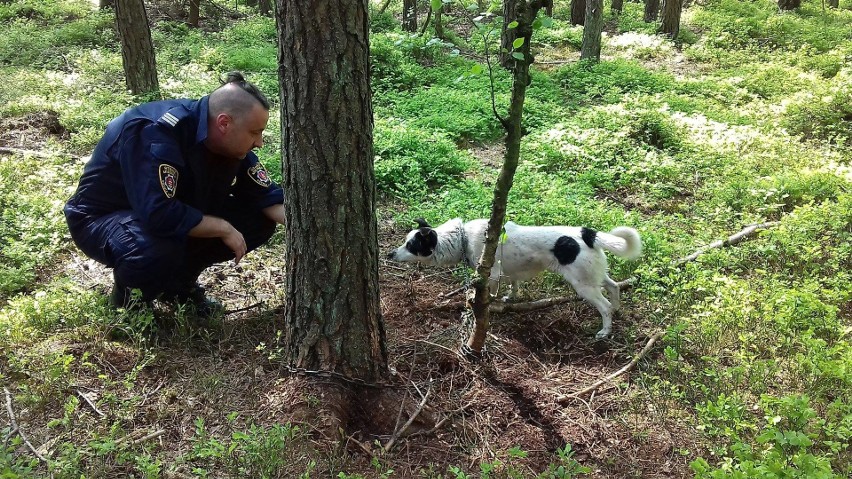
(16, 427)
(730, 241)
(147, 437)
(531, 305)
(409, 422)
(653, 339)
(89, 402)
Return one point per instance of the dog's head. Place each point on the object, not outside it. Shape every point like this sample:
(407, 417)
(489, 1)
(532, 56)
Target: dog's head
(419, 244)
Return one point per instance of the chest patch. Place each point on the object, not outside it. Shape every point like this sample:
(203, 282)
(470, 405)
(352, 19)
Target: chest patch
(168, 180)
(259, 175)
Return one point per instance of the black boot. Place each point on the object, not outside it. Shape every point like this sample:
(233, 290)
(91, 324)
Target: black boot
(195, 297)
(122, 298)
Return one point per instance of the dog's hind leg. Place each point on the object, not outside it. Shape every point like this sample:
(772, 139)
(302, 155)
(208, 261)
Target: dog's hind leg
(593, 295)
(614, 292)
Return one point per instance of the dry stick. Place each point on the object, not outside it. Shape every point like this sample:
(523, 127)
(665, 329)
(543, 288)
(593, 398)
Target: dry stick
(153, 435)
(18, 428)
(529, 306)
(732, 240)
(614, 375)
(409, 422)
(89, 402)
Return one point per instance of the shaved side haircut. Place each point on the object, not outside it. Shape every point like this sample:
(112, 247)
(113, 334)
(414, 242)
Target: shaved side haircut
(236, 97)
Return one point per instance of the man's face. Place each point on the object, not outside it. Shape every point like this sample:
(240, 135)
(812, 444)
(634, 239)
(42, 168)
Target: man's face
(242, 134)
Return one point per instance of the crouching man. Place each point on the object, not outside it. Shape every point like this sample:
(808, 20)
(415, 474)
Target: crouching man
(174, 187)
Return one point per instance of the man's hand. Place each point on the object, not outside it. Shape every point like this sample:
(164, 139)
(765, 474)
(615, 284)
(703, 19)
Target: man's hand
(235, 241)
(215, 227)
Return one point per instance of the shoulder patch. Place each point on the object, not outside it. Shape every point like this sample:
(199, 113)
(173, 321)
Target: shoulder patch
(169, 119)
(259, 175)
(168, 179)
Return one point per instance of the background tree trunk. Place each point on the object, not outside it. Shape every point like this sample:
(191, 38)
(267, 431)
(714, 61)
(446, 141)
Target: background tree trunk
(578, 12)
(265, 7)
(439, 27)
(652, 10)
(834, 3)
(789, 4)
(102, 4)
(617, 5)
(137, 51)
(591, 49)
(194, 7)
(507, 35)
(332, 315)
(409, 15)
(671, 18)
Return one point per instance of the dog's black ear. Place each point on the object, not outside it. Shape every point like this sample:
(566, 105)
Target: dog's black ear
(422, 223)
(424, 231)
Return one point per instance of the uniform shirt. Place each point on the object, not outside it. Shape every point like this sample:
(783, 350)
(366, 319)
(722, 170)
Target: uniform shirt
(152, 160)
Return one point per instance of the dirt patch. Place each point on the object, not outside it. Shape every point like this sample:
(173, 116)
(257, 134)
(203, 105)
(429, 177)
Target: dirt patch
(31, 131)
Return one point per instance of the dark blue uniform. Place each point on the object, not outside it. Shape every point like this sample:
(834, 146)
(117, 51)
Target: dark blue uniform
(149, 181)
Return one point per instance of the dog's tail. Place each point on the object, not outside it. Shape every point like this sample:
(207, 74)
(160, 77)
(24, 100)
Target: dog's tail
(623, 241)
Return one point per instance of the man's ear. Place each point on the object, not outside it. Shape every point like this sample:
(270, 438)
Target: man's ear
(223, 122)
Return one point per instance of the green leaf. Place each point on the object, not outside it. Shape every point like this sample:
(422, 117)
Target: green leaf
(518, 55)
(546, 22)
(476, 69)
(518, 42)
(436, 5)
(512, 25)
(536, 24)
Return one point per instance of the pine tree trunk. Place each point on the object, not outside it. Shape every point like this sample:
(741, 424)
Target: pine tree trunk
(194, 7)
(332, 315)
(617, 6)
(591, 49)
(671, 18)
(578, 12)
(789, 4)
(409, 15)
(652, 10)
(137, 50)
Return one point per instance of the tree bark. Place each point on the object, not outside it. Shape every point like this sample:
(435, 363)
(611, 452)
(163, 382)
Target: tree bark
(439, 26)
(332, 314)
(137, 50)
(578, 12)
(265, 7)
(591, 48)
(834, 3)
(652, 10)
(789, 4)
(507, 35)
(617, 6)
(671, 18)
(525, 15)
(194, 8)
(102, 4)
(409, 15)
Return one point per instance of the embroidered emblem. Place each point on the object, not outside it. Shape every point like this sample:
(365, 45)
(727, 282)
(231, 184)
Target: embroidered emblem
(168, 180)
(259, 175)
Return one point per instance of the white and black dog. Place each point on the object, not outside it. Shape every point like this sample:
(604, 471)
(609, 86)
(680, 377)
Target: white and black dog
(573, 252)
